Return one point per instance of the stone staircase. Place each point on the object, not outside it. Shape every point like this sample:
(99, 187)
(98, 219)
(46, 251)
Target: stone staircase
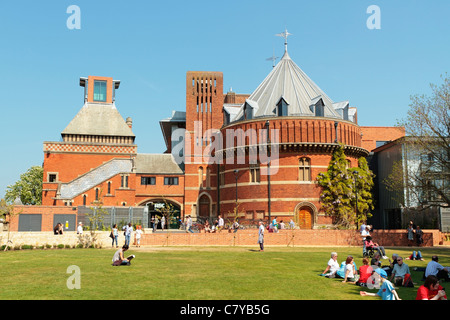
(94, 177)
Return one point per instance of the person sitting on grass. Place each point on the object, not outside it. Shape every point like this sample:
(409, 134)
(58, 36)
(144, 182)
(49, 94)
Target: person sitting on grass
(431, 290)
(118, 258)
(350, 271)
(387, 290)
(365, 271)
(401, 274)
(332, 266)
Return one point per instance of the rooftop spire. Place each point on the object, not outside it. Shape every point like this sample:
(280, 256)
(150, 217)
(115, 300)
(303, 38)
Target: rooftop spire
(284, 35)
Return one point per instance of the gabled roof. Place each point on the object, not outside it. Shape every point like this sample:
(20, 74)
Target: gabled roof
(101, 119)
(287, 81)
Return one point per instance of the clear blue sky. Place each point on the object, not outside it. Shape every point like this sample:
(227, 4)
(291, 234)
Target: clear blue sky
(149, 46)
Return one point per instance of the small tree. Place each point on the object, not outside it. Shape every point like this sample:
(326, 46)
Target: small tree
(95, 218)
(363, 184)
(168, 212)
(346, 192)
(28, 187)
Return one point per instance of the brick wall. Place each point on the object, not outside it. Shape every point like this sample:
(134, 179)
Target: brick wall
(373, 134)
(331, 238)
(47, 213)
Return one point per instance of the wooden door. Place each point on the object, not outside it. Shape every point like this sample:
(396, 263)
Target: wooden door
(304, 218)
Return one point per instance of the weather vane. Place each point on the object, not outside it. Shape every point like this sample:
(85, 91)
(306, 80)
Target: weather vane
(284, 35)
(273, 58)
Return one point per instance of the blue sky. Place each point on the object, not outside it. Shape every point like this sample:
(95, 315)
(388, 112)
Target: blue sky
(150, 45)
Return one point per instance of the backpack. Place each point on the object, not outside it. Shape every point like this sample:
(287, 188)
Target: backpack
(407, 281)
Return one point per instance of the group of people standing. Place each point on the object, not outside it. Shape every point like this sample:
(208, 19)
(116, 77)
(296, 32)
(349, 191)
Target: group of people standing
(414, 233)
(127, 232)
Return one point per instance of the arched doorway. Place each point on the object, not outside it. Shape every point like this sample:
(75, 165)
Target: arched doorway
(304, 218)
(305, 214)
(204, 205)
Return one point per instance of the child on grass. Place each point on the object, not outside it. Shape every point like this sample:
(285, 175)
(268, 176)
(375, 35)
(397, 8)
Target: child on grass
(387, 291)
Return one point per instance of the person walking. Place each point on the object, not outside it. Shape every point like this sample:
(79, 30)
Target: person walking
(128, 231)
(261, 236)
(115, 238)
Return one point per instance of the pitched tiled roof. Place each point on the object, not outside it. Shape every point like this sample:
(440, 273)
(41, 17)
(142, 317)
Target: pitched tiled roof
(288, 81)
(101, 119)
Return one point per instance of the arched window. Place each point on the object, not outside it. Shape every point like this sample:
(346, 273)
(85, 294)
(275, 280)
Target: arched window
(84, 199)
(304, 169)
(204, 206)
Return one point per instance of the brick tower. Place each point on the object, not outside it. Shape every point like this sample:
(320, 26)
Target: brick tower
(96, 154)
(204, 103)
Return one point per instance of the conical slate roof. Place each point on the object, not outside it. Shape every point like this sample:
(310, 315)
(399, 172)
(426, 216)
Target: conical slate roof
(101, 119)
(287, 81)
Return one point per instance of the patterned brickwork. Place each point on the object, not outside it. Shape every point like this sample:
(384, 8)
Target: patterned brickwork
(88, 148)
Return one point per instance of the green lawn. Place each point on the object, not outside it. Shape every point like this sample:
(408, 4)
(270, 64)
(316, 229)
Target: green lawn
(190, 273)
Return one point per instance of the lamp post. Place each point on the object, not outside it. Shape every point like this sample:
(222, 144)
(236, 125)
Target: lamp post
(268, 169)
(355, 175)
(236, 177)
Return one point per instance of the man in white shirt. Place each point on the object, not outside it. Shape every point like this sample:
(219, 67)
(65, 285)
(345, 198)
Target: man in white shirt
(434, 268)
(364, 234)
(80, 228)
(221, 223)
(261, 236)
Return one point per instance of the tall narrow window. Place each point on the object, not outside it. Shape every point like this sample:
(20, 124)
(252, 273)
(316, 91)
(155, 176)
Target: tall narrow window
(124, 181)
(109, 187)
(304, 173)
(222, 175)
(255, 176)
(100, 91)
(84, 199)
(200, 177)
(96, 194)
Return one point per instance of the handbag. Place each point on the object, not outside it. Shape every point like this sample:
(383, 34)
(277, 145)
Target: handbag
(111, 235)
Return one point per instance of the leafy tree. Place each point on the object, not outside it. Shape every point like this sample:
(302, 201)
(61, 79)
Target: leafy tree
(337, 190)
(424, 178)
(363, 178)
(346, 192)
(28, 188)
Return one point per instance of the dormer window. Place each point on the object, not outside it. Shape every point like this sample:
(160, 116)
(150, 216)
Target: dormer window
(318, 107)
(99, 91)
(282, 108)
(248, 111)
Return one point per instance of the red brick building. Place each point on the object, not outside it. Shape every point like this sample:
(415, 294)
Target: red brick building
(219, 158)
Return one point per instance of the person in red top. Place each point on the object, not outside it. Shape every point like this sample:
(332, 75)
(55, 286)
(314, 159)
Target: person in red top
(431, 290)
(365, 271)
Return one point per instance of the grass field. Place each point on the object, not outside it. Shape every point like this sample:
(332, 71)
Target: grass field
(191, 273)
